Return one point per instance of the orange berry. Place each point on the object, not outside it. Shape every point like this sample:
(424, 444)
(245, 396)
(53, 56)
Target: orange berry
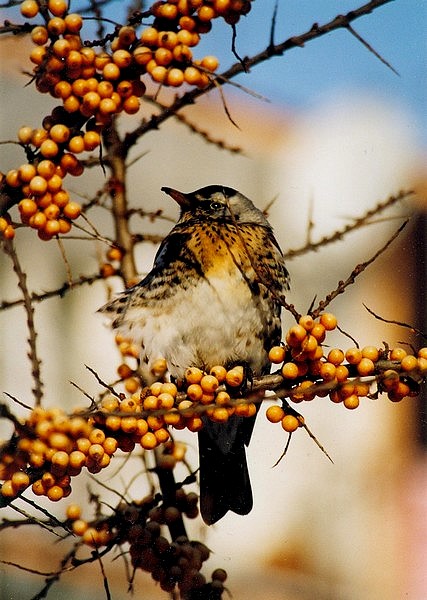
(71, 104)
(194, 392)
(20, 480)
(409, 363)
(353, 356)
(235, 376)
(219, 372)
(335, 356)
(107, 106)
(61, 198)
(24, 134)
(38, 220)
(51, 228)
(150, 36)
(329, 321)
(142, 55)
(131, 105)
(76, 144)
(91, 140)
(61, 48)
(111, 71)
(341, 373)
(46, 169)
(193, 375)
(49, 149)
(29, 9)
(166, 401)
(211, 63)
(73, 22)
(422, 353)
(26, 173)
(192, 76)
(290, 423)
(57, 7)
(38, 185)
(206, 13)
(209, 383)
(27, 208)
(276, 354)
(175, 77)
(55, 493)
(149, 441)
(56, 26)
(365, 367)
(39, 35)
(307, 322)
(290, 370)
(275, 413)
(351, 402)
(73, 512)
(194, 424)
(319, 332)
(122, 58)
(397, 354)
(295, 336)
(127, 35)
(370, 352)
(327, 371)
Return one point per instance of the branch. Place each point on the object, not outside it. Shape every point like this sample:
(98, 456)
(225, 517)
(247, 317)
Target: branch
(316, 31)
(356, 224)
(342, 285)
(32, 334)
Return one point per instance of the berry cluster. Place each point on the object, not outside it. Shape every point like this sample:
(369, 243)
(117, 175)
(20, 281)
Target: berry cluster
(171, 563)
(93, 86)
(339, 374)
(50, 449)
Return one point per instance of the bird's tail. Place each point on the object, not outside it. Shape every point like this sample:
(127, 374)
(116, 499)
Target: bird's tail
(224, 476)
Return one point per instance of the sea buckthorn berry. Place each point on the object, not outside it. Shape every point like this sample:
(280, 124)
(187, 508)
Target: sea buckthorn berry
(329, 321)
(276, 354)
(275, 413)
(319, 332)
(38, 185)
(210, 63)
(91, 140)
(351, 402)
(219, 372)
(122, 58)
(24, 134)
(336, 356)
(206, 13)
(341, 373)
(422, 365)
(149, 441)
(29, 9)
(27, 208)
(111, 71)
(194, 392)
(49, 149)
(290, 370)
(209, 383)
(127, 35)
(409, 363)
(307, 322)
(26, 173)
(52, 211)
(353, 356)
(422, 353)
(175, 77)
(20, 481)
(8, 490)
(56, 26)
(219, 415)
(302, 392)
(290, 423)
(57, 7)
(192, 76)
(309, 344)
(142, 55)
(397, 354)
(365, 367)
(150, 36)
(73, 22)
(72, 210)
(327, 371)
(166, 401)
(235, 376)
(370, 352)
(131, 105)
(193, 375)
(38, 220)
(361, 388)
(73, 512)
(295, 336)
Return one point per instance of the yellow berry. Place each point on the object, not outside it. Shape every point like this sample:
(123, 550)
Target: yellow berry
(353, 356)
(275, 413)
(29, 9)
(193, 375)
(409, 363)
(209, 383)
(235, 376)
(290, 423)
(397, 354)
(329, 321)
(370, 352)
(365, 367)
(276, 354)
(351, 402)
(20, 480)
(219, 372)
(307, 322)
(290, 370)
(335, 356)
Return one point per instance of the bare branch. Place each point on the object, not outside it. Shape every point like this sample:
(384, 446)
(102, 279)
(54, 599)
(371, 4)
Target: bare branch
(32, 334)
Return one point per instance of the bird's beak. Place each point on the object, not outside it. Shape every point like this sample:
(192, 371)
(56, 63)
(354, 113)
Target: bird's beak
(179, 197)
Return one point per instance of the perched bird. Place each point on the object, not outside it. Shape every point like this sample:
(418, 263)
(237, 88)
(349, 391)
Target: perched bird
(213, 297)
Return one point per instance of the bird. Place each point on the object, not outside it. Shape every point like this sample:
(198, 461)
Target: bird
(213, 297)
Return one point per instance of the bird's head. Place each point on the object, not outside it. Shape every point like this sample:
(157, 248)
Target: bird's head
(217, 203)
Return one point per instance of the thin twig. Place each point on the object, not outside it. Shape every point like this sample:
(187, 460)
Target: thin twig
(342, 285)
(32, 334)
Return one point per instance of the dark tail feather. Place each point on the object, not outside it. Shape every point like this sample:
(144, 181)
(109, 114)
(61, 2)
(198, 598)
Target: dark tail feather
(224, 476)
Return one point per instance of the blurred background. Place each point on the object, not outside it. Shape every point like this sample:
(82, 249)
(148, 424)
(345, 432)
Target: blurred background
(336, 132)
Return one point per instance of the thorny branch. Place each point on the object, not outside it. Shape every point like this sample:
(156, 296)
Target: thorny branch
(32, 334)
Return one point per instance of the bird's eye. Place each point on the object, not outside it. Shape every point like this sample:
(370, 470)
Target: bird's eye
(215, 205)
